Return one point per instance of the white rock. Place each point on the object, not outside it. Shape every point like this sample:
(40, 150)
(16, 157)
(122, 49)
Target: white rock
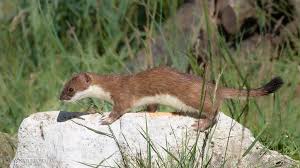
(64, 139)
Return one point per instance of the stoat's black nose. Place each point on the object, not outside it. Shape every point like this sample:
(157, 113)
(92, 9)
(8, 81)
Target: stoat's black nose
(62, 96)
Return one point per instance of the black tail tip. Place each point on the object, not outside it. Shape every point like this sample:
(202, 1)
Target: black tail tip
(273, 85)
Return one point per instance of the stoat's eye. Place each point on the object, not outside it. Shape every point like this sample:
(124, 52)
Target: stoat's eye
(70, 89)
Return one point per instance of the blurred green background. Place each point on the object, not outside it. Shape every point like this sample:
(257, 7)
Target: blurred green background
(42, 43)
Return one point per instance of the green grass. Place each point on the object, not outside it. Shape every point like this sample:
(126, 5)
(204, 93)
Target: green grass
(55, 40)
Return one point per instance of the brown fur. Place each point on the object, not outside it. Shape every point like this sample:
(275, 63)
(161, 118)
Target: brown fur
(125, 90)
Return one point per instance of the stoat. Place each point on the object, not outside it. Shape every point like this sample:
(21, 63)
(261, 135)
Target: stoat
(162, 85)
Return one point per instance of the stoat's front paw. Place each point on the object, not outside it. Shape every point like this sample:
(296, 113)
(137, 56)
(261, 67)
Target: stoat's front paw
(106, 120)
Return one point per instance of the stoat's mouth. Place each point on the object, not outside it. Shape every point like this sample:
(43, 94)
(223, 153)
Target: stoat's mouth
(65, 98)
(68, 100)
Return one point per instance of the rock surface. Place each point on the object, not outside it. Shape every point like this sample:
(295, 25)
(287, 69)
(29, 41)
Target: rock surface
(69, 139)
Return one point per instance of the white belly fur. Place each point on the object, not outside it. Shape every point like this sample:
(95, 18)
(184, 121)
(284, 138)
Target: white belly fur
(167, 100)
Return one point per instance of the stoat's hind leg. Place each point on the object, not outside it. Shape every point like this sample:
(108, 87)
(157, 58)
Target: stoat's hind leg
(152, 108)
(204, 123)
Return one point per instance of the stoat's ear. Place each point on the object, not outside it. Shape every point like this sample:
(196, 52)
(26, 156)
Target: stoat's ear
(87, 77)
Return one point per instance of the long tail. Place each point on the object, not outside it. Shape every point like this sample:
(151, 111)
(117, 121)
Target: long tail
(268, 88)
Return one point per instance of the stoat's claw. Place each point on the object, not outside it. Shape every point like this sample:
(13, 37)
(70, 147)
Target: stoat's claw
(106, 120)
(103, 116)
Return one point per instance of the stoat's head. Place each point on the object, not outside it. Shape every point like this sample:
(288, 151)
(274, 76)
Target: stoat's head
(74, 88)
(84, 85)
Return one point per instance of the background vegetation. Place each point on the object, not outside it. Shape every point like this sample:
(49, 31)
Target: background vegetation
(48, 41)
